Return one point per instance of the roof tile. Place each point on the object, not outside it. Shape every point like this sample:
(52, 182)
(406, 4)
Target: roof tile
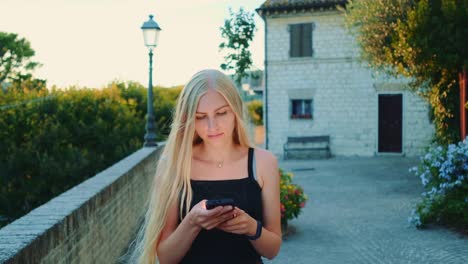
(292, 5)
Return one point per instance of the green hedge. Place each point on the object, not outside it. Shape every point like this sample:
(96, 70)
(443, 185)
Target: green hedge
(164, 103)
(53, 140)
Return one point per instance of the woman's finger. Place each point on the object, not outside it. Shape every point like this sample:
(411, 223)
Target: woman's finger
(219, 220)
(215, 221)
(231, 218)
(224, 217)
(214, 212)
(220, 210)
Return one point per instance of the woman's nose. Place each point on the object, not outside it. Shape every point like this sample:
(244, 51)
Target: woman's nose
(211, 122)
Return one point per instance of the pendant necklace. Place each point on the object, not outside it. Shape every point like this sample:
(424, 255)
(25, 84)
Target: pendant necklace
(219, 164)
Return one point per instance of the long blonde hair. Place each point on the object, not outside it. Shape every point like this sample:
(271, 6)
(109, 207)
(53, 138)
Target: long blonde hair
(172, 178)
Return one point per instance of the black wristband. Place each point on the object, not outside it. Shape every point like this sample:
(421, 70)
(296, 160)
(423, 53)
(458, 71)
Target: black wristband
(258, 233)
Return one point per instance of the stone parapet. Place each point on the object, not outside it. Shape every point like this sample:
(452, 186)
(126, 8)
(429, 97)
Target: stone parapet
(91, 223)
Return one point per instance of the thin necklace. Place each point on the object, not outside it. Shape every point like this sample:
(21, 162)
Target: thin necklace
(220, 164)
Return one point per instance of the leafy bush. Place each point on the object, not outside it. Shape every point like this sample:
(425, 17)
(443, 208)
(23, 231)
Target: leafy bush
(164, 103)
(51, 140)
(51, 145)
(444, 173)
(255, 109)
(292, 198)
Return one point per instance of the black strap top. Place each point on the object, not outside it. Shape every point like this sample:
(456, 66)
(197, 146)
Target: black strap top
(217, 246)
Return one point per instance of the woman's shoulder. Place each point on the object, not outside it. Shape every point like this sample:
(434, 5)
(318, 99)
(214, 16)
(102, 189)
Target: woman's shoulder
(265, 157)
(267, 167)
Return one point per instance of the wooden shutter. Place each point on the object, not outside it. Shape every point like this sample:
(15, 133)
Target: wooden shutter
(301, 40)
(295, 37)
(306, 46)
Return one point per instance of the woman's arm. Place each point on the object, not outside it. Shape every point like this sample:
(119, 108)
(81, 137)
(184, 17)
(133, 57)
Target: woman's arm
(175, 240)
(268, 244)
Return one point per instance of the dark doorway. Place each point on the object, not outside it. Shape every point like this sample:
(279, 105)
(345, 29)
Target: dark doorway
(390, 122)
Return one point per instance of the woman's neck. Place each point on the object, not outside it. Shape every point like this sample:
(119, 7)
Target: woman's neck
(222, 153)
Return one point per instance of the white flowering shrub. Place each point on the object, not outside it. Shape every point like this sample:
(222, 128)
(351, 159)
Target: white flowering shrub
(444, 173)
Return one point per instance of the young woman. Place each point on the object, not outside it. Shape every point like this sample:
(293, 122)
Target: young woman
(208, 155)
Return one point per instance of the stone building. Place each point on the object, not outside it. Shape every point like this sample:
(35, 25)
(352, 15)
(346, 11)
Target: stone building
(314, 85)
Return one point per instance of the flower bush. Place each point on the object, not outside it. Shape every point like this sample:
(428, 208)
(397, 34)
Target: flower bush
(292, 198)
(444, 173)
(255, 110)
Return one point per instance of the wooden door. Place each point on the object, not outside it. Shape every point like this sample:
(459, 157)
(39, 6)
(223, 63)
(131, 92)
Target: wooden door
(390, 122)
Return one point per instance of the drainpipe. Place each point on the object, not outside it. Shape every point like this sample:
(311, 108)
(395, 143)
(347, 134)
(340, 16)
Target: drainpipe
(265, 90)
(462, 84)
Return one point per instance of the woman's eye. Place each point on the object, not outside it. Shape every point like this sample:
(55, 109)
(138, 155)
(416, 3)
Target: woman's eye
(222, 113)
(200, 117)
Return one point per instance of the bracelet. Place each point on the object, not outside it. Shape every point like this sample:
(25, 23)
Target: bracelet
(258, 233)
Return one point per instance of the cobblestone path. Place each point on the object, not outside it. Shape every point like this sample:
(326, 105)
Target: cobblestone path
(358, 213)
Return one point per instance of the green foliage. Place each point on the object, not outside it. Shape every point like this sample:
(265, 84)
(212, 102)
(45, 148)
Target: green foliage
(26, 82)
(15, 57)
(434, 37)
(422, 40)
(434, 41)
(51, 145)
(164, 103)
(255, 109)
(164, 107)
(238, 31)
(292, 198)
(375, 26)
(53, 139)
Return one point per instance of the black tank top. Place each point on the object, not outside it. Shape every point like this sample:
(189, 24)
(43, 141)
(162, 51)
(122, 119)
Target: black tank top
(217, 246)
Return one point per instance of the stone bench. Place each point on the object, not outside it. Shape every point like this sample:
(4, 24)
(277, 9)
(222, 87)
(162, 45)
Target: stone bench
(307, 143)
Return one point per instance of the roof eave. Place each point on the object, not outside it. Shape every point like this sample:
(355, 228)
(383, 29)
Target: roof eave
(322, 6)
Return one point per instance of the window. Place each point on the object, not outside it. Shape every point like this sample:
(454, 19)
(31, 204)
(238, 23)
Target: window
(301, 109)
(301, 40)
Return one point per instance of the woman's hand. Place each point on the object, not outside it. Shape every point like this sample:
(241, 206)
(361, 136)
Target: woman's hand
(209, 219)
(240, 223)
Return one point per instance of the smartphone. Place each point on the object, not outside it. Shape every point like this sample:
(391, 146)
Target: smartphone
(210, 204)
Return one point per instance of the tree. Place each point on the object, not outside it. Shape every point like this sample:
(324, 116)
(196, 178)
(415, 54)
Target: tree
(238, 31)
(435, 38)
(15, 57)
(26, 82)
(423, 40)
(374, 23)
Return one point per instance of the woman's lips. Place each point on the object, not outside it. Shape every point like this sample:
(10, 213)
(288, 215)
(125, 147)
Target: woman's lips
(215, 136)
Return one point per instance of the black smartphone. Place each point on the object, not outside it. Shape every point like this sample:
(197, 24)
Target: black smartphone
(210, 204)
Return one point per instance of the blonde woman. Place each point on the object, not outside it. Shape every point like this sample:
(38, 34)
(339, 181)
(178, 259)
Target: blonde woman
(208, 155)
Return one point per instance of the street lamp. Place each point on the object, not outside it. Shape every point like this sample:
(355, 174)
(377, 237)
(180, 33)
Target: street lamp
(150, 33)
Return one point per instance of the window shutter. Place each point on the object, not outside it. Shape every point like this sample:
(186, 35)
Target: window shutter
(312, 38)
(295, 37)
(308, 107)
(290, 41)
(307, 40)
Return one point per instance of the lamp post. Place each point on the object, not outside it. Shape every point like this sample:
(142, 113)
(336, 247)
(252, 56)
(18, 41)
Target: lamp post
(151, 31)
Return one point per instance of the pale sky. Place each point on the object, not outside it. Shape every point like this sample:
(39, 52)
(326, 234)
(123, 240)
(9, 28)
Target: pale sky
(93, 42)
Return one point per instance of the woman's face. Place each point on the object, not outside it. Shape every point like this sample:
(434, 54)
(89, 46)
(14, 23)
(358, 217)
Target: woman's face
(214, 119)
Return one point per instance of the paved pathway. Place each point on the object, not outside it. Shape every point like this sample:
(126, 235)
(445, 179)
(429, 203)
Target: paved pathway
(358, 212)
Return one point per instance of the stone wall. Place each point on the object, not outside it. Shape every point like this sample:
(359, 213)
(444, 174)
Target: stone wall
(344, 91)
(91, 223)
